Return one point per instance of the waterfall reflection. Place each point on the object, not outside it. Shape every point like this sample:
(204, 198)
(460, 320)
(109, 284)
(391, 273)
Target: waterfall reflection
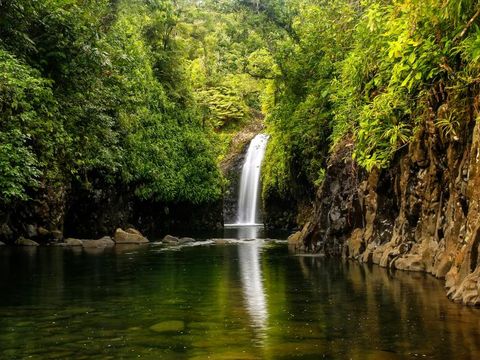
(233, 231)
(252, 284)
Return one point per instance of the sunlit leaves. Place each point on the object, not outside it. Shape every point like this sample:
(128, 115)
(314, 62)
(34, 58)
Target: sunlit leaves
(116, 105)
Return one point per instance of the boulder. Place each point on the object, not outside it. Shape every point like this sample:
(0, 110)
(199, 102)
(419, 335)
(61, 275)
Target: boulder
(32, 230)
(5, 231)
(133, 231)
(186, 240)
(104, 242)
(25, 242)
(222, 241)
(43, 232)
(294, 238)
(296, 241)
(73, 242)
(169, 239)
(58, 244)
(131, 236)
(57, 235)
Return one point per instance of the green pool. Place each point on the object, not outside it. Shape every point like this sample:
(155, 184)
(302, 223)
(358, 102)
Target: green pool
(241, 300)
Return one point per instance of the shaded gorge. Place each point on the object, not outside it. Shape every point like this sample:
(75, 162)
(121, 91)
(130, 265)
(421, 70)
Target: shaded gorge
(240, 300)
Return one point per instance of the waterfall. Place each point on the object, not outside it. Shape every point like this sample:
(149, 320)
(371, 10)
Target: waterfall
(247, 212)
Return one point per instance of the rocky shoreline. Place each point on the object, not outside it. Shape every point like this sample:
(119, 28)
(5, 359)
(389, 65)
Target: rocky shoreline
(421, 214)
(120, 237)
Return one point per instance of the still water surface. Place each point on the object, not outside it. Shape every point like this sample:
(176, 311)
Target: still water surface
(244, 300)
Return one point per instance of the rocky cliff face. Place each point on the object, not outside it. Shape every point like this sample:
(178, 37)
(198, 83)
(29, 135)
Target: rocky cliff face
(421, 214)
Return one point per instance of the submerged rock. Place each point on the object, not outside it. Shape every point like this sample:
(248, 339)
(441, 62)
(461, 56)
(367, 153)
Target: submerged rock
(73, 242)
(168, 326)
(58, 244)
(169, 239)
(103, 242)
(122, 248)
(223, 241)
(186, 240)
(129, 236)
(26, 242)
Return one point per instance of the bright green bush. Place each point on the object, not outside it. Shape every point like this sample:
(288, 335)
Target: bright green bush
(98, 90)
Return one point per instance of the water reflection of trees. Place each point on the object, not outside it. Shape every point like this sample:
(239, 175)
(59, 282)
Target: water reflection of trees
(369, 311)
(235, 300)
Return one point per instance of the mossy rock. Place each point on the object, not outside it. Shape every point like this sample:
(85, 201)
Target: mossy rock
(168, 326)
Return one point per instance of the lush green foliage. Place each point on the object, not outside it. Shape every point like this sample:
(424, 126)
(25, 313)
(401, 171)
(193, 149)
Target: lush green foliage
(366, 75)
(98, 89)
(149, 92)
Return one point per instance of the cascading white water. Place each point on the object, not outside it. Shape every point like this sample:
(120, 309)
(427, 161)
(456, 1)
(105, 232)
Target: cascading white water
(247, 213)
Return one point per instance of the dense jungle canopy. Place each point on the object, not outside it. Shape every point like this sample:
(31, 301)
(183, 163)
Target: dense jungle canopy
(150, 92)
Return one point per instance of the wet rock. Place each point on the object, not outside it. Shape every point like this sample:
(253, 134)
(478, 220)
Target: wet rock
(221, 241)
(170, 240)
(442, 267)
(355, 244)
(224, 241)
(31, 230)
(43, 232)
(73, 242)
(298, 241)
(410, 262)
(168, 326)
(186, 240)
(294, 238)
(468, 292)
(130, 237)
(59, 244)
(21, 241)
(133, 231)
(5, 231)
(104, 242)
(57, 235)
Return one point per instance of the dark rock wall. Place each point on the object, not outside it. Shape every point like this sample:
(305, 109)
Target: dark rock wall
(233, 174)
(280, 213)
(421, 214)
(40, 218)
(96, 211)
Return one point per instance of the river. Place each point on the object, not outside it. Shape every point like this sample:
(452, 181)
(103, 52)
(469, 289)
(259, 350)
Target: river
(238, 300)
